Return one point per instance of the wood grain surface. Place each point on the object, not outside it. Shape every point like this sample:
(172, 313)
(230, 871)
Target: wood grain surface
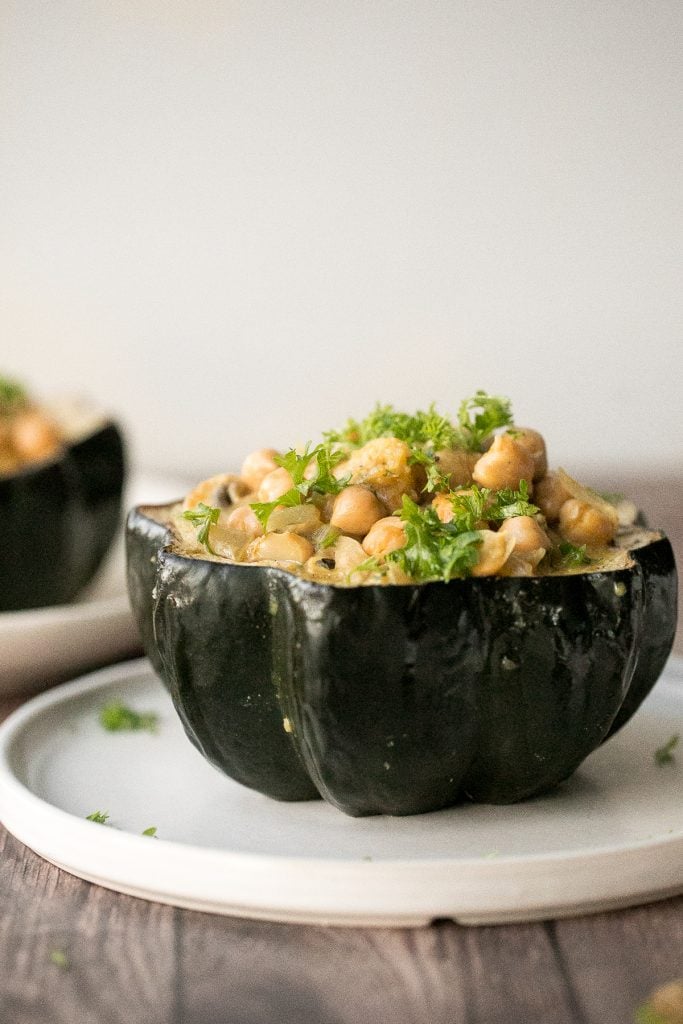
(74, 953)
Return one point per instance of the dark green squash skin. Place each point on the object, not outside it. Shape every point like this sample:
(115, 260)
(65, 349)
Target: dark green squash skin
(58, 519)
(405, 699)
(146, 534)
(659, 625)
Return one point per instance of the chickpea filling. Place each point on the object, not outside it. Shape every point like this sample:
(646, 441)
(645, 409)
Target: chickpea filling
(27, 433)
(33, 432)
(399, 499)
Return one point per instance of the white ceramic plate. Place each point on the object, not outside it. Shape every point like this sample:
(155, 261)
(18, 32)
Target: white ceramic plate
(610, 837)
(42, 645)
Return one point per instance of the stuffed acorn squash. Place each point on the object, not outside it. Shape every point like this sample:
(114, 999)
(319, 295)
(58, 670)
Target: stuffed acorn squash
(61, 477)
(413, 613)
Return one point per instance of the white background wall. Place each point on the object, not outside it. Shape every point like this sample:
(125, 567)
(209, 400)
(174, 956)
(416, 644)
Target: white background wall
(237, 222)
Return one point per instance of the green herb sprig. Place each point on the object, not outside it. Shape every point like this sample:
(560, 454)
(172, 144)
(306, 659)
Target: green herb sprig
(421, 428)
(480, 504)
(434, 550)
(119, 717)
(479, 416)
(436, 480)
(100, 817)
(322, 482)
(665, 754)
(424, 427)
(203, 517)
(59, 958)
(572, 554)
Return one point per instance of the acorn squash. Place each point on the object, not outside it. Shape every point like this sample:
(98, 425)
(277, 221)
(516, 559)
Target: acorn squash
(58, 518)
(400, 699)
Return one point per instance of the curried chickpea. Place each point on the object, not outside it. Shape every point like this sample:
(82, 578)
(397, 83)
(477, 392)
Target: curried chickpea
(505, 464)
(550, 495)
(258, 465)
(348, 554)
(443, 506)
(275, 484)
(581, 523)
(525, 532)
(457, 465)
(244, 518)
(532, 442)
(220, 490)
(280, 547)
(494, 551)
(356, 509)
(33, 436)
(385, 536)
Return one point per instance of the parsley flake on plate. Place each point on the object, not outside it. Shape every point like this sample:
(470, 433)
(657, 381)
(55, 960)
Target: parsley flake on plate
(119, 717)
(665, 754)
(100, 817)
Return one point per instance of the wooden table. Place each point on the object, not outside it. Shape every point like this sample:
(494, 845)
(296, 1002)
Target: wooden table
(129, 960)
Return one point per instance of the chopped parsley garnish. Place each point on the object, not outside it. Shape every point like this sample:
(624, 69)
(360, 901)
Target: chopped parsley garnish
(322, 482)
(421, 428)
(264, 509)
(203, 517)
(118, 717)
(507, 503)
(59, 958)
(479, 504)
(479, 416)
(12, 396)
(665, 754)
(101, 817)
(436, 479)
(434, 550)
(572, 554)
(151, 831)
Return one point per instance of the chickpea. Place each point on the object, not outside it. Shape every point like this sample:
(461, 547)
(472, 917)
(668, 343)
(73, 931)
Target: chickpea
(494, 551)
(385, 536)
(220, 490)
(443, 506)
(275, 484)
(503, 465)
(355, 510)
(33, 436)
(550, 495)
(457, 465)
(348, 554)
(280, 547)
(391, 494)
(525, 532)
(533, 443)
(258, 465)
(245, 519)
(581, 523)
